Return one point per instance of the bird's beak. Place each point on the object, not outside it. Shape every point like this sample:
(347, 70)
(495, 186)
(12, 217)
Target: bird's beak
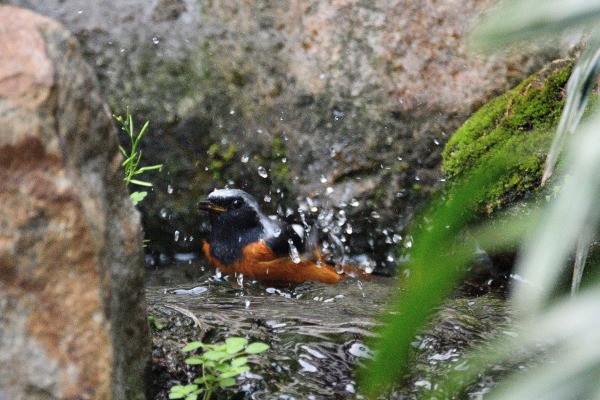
(211, 207)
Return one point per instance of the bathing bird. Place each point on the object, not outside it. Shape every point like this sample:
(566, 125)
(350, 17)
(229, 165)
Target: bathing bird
(246, 241)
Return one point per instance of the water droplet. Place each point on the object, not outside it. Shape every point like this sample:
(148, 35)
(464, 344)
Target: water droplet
(277, 232)
(329, 190)
(176, 236)
(341, 219)
(349, 229)
(79, 11)
(354, 203)
(156, 40)
(396, 238)
(323, 179)
(247, 303)
(245, 158)
(436, 142)
(164, 213)
(294, 255)
(231, 112)
(218, 274)
(170, 189)
(240, 280)
(375, 214)
(262, 172)
(390, 258)
(267, 198)
(284, 160)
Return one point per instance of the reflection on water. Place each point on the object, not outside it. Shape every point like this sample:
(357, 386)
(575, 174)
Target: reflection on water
(317, 332)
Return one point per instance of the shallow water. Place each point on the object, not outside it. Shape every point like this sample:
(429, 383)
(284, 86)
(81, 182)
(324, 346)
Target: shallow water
(317, 332)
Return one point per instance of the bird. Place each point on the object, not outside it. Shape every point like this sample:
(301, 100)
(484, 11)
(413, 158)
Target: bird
(246, 241)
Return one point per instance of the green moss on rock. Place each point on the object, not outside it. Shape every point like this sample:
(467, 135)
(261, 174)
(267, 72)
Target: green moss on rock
(522, 122)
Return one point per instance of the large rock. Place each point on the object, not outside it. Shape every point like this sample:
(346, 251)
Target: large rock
(359, 96)
(72, 308)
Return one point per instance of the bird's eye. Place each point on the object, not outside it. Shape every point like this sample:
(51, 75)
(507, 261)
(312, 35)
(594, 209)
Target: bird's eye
(237, 203)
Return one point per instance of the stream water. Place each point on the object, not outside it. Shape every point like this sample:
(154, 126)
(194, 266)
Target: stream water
(317, 332)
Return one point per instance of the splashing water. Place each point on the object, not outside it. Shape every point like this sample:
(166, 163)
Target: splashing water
(262, 172)
(294, 255)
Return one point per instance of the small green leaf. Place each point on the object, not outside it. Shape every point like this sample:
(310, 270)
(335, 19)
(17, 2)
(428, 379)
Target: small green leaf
(194, 360)
(136, 197)
(153, 322)
(192, 346)
(235, 344)
(204, 379)
(141, 183)
(215, 355)
(238, 362)
(256, 348)
(234, 372)
(225, 383)
(149, 168)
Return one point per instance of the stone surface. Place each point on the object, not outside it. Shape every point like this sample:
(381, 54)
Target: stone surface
(362, 95)
(522, 121)
(72, 308)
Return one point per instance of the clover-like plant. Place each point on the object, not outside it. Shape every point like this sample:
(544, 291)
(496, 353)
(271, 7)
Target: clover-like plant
(221, 363)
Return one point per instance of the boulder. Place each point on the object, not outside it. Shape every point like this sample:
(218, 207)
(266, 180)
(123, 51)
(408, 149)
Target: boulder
(345, 102)
(72, 307)
(521, 121)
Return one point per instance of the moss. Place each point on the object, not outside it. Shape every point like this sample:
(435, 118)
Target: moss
(521, 121)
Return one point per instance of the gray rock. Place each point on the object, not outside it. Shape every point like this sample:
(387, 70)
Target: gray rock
(72, 307)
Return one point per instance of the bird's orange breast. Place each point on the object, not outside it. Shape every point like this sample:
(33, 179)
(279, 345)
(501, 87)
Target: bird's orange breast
(259, 262)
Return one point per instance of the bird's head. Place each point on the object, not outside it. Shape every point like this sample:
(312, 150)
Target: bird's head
(232, 209)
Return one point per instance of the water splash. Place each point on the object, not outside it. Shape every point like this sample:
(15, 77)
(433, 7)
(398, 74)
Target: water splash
(262, 172)
(294, 255)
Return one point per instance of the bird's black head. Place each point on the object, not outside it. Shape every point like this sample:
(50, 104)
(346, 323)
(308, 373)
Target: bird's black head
(232, 211)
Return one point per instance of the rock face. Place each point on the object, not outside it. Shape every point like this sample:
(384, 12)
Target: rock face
(72, 308)
(522, 121)
(360, 97)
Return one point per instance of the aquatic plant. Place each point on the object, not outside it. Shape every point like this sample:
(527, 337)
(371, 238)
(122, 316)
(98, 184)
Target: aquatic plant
(220, 363)
(131, 165)
(568, 327)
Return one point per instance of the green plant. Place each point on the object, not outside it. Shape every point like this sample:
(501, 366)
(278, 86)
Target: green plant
(133, 157)
(567, 327)
(220, 363)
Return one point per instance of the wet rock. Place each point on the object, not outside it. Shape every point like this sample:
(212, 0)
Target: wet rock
(362, 94)
(72, 308)
(521, 121)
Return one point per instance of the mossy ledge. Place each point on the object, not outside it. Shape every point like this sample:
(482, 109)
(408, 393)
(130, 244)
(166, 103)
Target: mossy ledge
(521, 121)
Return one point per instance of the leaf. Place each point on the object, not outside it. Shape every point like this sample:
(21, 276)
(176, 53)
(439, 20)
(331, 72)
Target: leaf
(136, 197)
(141, 183)
(256, 348)
(234, 372)
(192, 346)
(238, 362)
(153, 322)
(235, 344)
(150, 168)
(437, 263)
(522, 21)
(195, 360)
(204, 379)
(215, 355)
(225, 383)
